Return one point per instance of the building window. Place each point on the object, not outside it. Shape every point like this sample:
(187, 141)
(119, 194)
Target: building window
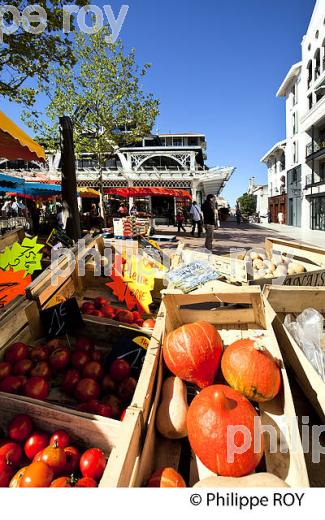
(177, 141)
(295, 152)
(310, 101)
(322, 172)
(317, 64)
(294, 123)
(317, 34)
(310, 73)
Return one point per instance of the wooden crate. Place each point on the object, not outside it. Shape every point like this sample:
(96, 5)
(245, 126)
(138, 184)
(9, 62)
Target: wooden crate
(299, 250)
(84, 432)
(291, 300)
(233, 322)
(9, 238)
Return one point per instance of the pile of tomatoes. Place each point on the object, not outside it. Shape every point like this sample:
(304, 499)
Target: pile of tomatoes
(101, 308)
(32, 458)
(80, 374)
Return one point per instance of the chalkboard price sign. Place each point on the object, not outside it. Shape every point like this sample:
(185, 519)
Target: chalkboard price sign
(62, 318)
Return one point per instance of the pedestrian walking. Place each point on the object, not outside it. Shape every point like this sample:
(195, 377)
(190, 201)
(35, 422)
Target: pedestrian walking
(210, 222)
(196, 215)
(238, 216)
(180, 221)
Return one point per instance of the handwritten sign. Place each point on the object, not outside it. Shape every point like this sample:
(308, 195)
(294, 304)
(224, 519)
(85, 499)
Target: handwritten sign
(133, 350)
(59, 237)
(22, 257)
(62, 318)
(12, 284)
(133, 284)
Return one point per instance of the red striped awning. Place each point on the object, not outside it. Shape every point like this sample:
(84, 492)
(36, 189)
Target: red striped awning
(138, 191)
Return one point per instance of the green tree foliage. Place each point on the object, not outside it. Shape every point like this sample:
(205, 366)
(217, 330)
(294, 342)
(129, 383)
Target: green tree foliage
(103, 96)
(24, 55)
(247, 204)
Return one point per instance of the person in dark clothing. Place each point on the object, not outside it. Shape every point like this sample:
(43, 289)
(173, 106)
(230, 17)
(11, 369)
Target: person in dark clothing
(180, 221)
(238, 216)
(210, 222)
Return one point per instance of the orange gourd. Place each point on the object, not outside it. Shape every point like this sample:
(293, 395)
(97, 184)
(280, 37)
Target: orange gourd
(249, 368)
(193, 351)
(224, 431)
(166, 478)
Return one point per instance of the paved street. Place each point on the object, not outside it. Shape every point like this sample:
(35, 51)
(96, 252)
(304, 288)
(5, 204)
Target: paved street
(231, 235)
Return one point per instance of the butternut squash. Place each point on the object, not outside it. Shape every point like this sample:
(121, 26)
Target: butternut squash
(172, 411)
(257, 480)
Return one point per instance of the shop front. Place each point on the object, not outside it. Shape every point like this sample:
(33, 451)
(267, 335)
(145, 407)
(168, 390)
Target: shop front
(317, 212)
(278, 205)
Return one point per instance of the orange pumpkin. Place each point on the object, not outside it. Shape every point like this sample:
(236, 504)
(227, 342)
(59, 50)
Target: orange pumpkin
(193, 351)
(249, 368)
(166, 478)
(224, 431)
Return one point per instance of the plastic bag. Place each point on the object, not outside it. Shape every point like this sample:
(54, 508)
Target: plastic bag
(307, 331)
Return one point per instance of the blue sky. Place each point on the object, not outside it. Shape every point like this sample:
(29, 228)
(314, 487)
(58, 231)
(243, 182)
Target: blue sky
(216, 66)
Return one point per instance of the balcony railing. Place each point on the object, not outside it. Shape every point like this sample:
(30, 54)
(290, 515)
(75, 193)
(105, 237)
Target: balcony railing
(314, 146)
(312, 180)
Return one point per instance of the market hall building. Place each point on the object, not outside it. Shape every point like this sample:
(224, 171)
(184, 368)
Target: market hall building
(159, 174)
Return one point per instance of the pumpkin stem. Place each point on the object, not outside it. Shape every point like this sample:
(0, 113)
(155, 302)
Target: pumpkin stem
(222, 400)
(259, 346)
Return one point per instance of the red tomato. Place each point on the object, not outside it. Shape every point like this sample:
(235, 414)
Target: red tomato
(87, 307)
(59, 359)
(72, 459)
(92, 463)
(6, 473)
(97, 355)
(105, 410)
(87, 389)
(126, 389)
(20, 427)
(55, 458)
(62, 482)
(94, 370)
(54, 344)
(99, 314)
(71, 379)
(136, 316)
(5, 369)
(16, 479)
(115, 404)
(108, 385)
(124, 316)
(86, 482)
(35, 443)
(84, 344)
(79, 359)
(11, 384)
(149, 324)
(139, 323)
(37, 474)
(16, 352)
(119, 370)
(39, 353)
(22, 367)
(92, 406)
(11, 452)
(108, 311)
(61, 438)
(37, 388)
(99, 302)
(41, 369)
(123, 415)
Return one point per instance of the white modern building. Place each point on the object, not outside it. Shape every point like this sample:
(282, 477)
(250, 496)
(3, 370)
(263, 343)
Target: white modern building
(260, 192)
(303, 89)
(169, 161)
(275, 159)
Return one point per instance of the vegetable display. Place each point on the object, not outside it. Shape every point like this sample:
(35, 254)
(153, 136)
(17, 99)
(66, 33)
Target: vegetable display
(79, 373)
(248, 367)
(31, 458)
(193, 351)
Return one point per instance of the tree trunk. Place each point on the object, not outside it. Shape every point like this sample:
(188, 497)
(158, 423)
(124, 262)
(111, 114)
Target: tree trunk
(69, 179)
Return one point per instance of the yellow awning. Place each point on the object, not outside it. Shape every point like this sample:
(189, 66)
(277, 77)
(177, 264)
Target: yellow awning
(16, 144)
(88, 192)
